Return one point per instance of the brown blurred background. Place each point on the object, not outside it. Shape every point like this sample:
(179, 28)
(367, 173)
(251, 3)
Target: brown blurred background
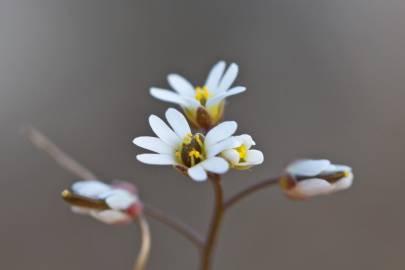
(324, 78)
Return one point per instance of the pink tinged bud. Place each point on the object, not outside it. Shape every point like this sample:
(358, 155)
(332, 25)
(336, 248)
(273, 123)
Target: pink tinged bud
(111, 204)
(307, 178)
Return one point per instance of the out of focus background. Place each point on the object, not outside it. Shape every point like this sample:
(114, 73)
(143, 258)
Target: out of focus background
(325, 79)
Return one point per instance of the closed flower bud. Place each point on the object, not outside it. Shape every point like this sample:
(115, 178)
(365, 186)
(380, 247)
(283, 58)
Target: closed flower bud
(307, 178)
(112, 204)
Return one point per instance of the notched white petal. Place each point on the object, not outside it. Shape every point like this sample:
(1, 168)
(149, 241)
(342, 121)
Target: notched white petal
(163, 131)
(197, 173)
(223, 145)
(215, 165)
(169, 96)
(178, 122)
(313, 187)
(120, 199)
(153, 144)
(221, 96)
(231, 155)
(90, 188)
(254, 157)
(220, 132)
(215, 76)
(181, 85)
(228, 78)
(308, 167)
(156, 159)
(111, 216)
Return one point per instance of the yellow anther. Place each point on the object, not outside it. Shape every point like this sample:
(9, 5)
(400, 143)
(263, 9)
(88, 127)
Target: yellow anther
(202, 94)
(194, 154)
(187, 139)
(346, 174)
(242, 151)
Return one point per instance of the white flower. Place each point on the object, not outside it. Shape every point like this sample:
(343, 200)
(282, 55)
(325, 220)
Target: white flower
(111, 204)
(193, 154)
(243, 157)
(307, 178)
(202, 105)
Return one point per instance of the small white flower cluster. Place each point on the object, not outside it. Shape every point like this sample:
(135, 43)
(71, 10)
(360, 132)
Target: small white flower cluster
(211, 147)
(199, 144)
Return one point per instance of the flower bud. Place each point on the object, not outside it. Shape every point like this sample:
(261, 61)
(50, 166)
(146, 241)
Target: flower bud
(307, 178)
(112, 204)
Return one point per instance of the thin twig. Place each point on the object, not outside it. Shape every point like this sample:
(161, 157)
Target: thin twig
(68, 163)
(250, 190)
(176, 225)
(43, 143)
(144, 251)
(213, 233)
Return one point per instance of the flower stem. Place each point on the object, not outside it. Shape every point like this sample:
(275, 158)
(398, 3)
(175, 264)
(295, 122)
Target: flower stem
(174, 224)
(250, 190)
(64, 160)
(212, 238)
(143, 254)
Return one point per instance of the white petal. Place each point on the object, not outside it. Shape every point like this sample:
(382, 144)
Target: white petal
(90, 189)
(197, 173)
(217, 148)
(168, 96)
(120, 199)
(156, 159)
(231, 155)
(181, 85)
(220, 132)
(153, 144)
(111, 216)
(214, 76)
(254, 157)
(81, 210)
(313, 187)
(192, 102)
(215, 165)
(221, 96)
(308, 167)
(228, 78)
(343, 183)
(246, 140)
(163, 131)
(178, 122)
(332, 168)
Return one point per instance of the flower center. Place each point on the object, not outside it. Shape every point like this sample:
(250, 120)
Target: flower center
(242, 151)
(191, 151)
(202, 94)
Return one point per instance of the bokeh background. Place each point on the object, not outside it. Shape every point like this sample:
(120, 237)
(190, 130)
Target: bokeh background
(324, 78)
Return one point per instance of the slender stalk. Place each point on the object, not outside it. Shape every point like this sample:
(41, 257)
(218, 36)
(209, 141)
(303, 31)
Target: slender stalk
(43, 143)
(213, 233)
(250, 190)
(143, 255)
(64, 160)
(183, 229)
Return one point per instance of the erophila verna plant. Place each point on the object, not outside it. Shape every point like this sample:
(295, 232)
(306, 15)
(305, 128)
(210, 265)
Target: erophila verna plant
(200, 146)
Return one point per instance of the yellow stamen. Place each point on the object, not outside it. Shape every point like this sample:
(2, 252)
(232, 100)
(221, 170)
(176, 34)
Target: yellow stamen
(194, 154)
(202, 94)
(242, 151)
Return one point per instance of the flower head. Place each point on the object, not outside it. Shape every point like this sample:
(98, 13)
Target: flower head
(193, 154)
(203, 105)
(111, 204)
(242, 157)
(307, 178)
